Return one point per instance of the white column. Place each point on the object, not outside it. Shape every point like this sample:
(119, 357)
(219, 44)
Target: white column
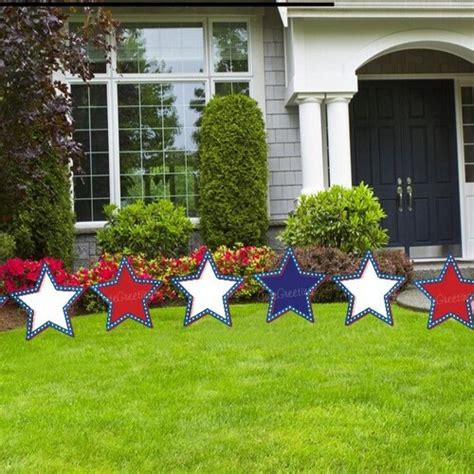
(339, 140)
(312, 165)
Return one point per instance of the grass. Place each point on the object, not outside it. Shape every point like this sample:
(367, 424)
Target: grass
(256, 397)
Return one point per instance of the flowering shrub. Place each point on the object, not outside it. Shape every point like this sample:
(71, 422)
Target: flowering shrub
(242, 261)
(18, 274)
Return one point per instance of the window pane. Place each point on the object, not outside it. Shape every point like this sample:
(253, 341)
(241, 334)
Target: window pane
(230, 47)
(83, 210)
(227, 88)
(467, 94)
(468, 133)
(92, 188)
(157, 136)
(161, 48)
(96, 56)
(469, 173)
(468, 114)
(98, 209)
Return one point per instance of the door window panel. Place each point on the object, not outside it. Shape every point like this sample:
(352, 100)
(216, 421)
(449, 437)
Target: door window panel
(467, 104)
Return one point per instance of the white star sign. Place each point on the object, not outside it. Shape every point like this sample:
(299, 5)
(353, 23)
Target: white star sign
(47, 304)
(369, 291)
(207, 292)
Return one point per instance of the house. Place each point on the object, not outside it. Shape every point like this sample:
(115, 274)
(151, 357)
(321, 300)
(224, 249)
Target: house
(380, 92)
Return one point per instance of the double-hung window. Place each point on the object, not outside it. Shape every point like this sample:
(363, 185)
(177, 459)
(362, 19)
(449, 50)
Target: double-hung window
(138, 118)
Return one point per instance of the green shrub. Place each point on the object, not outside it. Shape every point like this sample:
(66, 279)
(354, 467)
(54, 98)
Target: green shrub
(233, 173)
(42, 221)
(343, 218)
(7, 246)
(157, 228)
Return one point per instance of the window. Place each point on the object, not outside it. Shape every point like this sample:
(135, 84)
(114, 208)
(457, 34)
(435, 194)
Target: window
(227, 88)
(467, 95)
(97, 58)
(161, 49)
(230, 47)
(91, 188)
(147, 105)
(157, 127)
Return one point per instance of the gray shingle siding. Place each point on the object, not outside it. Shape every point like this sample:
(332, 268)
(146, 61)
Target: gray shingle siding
(284, 159)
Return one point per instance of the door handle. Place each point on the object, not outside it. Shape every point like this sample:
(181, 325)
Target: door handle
(400, 194)
(410, 194)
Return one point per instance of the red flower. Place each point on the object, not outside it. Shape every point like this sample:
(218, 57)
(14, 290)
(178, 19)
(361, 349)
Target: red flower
(15, 266)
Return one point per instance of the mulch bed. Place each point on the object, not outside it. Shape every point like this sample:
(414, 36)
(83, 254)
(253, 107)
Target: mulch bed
(11, 317)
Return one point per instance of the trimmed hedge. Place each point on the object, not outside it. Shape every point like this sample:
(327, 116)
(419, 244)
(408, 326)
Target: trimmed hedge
(344, 218)
(233, 173)
(150, 229)
(42, 221)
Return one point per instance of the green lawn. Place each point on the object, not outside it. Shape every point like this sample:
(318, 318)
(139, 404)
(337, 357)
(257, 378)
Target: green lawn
(256, 397)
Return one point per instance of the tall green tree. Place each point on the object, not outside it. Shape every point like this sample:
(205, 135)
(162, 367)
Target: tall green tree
(233, 172)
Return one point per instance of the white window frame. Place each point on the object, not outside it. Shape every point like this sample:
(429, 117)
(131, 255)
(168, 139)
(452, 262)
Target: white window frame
(112, 78)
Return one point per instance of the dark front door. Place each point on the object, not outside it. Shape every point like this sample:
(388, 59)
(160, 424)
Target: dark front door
(404, 145)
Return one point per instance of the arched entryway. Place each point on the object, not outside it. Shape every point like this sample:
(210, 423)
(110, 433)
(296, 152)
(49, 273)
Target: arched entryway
(405, 143)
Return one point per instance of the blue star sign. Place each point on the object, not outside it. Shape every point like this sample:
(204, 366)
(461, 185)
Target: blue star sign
(369, 291)
(290, 288)
(207, 292)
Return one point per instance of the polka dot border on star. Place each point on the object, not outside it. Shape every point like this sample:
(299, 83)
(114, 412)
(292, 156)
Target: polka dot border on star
(16, 295)
(289, 254)
(96, 289)
(450, 260)
(226, 319)
(338, 279)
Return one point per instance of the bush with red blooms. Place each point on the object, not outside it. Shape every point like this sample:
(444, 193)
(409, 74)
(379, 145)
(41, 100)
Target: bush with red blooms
(243, 261)
(17, 274)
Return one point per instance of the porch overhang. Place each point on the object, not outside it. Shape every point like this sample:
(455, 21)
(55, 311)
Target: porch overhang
(383, 9)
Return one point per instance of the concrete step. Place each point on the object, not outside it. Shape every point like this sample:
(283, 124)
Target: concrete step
(433, 269)
(413, 298)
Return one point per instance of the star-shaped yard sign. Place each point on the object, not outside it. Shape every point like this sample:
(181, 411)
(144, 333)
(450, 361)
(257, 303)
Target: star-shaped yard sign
(451, 295)
(47, 304)
(369, 291)
(207, 292)
(127, 296)
(290, 288)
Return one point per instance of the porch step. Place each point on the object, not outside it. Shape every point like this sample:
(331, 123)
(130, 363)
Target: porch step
(422, 270)
(413, 298)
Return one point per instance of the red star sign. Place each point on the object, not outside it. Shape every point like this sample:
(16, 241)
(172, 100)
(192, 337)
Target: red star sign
(451, 296)
(127, 296)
